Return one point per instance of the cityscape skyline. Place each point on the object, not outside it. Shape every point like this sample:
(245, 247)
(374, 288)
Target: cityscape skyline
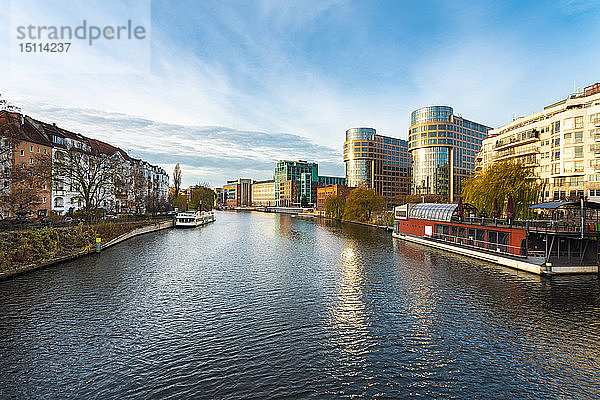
(305, 74)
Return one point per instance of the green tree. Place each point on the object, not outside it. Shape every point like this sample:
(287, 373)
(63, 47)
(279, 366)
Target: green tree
(203, 198)
(334, 207)
(361, 204)
(180, 202)
(499, 181)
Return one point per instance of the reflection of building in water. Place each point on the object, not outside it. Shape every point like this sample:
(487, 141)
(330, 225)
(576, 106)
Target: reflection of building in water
(349, 316)
(283, 225)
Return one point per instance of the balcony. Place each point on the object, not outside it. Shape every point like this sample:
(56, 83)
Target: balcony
(513, 141)
(514, 154)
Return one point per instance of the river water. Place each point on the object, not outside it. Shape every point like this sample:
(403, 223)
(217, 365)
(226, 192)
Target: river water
(270, 306)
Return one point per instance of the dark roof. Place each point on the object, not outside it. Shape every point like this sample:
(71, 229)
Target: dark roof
(53, 129)
(26, 132)
(106, 148)
(553, 205)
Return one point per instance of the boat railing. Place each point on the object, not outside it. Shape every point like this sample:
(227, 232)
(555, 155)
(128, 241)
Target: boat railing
(545, 225)
(494, 247)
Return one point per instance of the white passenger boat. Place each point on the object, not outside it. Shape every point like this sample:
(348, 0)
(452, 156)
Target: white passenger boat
(192, 219)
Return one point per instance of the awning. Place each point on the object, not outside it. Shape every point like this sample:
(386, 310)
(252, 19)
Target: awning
(553, 205)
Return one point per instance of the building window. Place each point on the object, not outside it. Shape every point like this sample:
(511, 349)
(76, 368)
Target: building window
(45, 151)
(578, 151)
(31, 149)
(44, 199)
(567, 138)
(557, 126)
(578, 122)
(22, 153)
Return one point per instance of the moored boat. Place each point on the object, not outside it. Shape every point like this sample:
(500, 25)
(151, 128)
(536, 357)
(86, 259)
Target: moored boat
(192, 219)
(565, 243)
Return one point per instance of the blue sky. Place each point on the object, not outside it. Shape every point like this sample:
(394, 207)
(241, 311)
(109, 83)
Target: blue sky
(227, 78)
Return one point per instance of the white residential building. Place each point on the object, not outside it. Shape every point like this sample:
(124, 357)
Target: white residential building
(561, 142)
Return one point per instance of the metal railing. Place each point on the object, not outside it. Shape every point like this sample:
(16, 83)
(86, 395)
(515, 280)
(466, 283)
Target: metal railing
(471, 242)
(555, 226)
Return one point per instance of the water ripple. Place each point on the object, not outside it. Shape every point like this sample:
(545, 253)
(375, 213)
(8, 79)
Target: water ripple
(267, 306)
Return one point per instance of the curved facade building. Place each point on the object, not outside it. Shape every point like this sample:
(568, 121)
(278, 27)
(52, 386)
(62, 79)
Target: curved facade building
(376, 162)
(443, 148)
(358, 165)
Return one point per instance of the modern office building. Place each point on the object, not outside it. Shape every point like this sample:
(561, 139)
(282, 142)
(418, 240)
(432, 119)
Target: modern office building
(443, 147)
(561, 142)
(263, 193)
(376, 162)
(332, 180)
(218, 197)
(304, 172)
(289, 193)
(237, 193)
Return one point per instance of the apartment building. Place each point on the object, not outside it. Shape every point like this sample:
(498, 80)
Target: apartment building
(25, 168)
(561, 142)
(131, 181)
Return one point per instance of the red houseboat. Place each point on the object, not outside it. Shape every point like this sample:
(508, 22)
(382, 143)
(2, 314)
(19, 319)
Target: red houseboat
(562, 240)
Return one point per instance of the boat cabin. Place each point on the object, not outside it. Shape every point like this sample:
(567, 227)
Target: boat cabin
(557, 233)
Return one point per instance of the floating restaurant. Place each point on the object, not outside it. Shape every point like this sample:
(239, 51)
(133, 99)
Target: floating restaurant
(561, 239)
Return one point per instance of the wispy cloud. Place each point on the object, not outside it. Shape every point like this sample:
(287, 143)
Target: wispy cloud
(315, 68)
(207, 154)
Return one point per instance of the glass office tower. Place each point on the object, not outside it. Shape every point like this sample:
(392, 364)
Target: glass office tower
(376, 162)
(443, 148)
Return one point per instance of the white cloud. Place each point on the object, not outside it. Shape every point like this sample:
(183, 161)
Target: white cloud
(210, 154)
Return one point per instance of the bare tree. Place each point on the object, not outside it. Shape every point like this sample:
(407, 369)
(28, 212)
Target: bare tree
(177, 179)
(91, 175)
(139, 192)
(21, 182)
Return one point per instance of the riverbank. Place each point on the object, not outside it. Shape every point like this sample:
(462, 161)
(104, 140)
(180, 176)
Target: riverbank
(22, 251)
